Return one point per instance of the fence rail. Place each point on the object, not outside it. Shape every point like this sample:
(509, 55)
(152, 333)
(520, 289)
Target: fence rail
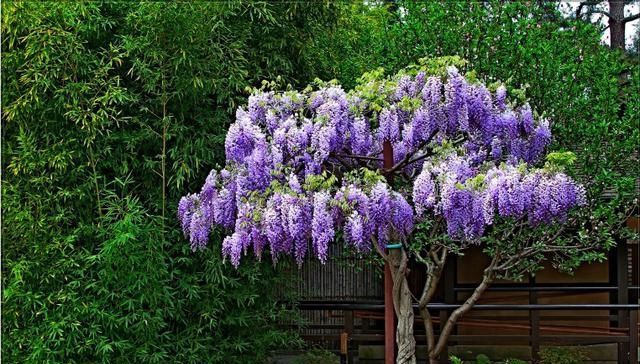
(379, 305)
(539, 334)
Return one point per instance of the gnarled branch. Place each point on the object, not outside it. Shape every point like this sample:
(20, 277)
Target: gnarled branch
(488, 277)
(631, 18)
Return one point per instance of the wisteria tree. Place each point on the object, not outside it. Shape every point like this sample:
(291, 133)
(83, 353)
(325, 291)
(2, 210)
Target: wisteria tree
(465, 167)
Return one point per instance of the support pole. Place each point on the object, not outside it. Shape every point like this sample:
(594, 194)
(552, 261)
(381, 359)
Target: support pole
(389, 315)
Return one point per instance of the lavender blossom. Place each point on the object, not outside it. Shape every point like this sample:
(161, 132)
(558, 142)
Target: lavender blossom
(402, 217)
(389, 129)
(321, 225)
(424, 192)
(360, 136)
(242, 138)
(456, 92)
(501, 98)
(186, 207)
(539, 141)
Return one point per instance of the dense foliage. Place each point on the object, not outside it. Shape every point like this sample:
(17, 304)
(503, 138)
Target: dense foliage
(101, 104)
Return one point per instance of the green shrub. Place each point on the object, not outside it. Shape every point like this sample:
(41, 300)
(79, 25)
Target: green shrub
(483, 359)
(561, 355)
(515, 361)
(317, 356)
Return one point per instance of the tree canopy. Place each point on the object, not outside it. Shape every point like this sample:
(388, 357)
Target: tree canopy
(460, 151)
(462, 156)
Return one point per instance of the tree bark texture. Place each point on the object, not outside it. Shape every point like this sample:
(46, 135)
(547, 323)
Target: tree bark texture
(616, 24)
(429, 290)
(403, 306)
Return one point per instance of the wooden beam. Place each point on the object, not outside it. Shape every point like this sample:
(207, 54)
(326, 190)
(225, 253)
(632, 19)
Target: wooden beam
(488, 339)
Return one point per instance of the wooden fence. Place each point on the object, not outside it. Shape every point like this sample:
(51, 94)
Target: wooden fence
(598, 305)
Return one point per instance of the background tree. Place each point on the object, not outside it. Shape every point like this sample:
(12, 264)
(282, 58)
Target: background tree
(614, 12)
(110, 110)
(635, 49)
(463, 155)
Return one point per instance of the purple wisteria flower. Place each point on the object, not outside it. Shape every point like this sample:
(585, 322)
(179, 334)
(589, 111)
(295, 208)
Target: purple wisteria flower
(389, 129)
(456, 94)
(242, 137)
(501, 98)
(303, 166)
(322, 225)
(424, 192)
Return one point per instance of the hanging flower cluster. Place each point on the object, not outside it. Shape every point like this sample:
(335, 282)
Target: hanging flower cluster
(302, 166)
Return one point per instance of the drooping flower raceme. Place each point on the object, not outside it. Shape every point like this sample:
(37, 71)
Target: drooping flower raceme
(322, 225)
(304, 169)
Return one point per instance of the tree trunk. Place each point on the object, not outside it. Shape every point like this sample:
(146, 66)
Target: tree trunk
(616, 24)
(427, 320)
(428, 326)
(403, 305)
(427, 293)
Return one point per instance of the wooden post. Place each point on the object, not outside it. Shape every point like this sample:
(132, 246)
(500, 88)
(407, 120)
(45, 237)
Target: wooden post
(622, 281)
(344, 348)
(634, 342)
(534, 318)
(389, 315)
(348, 331)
